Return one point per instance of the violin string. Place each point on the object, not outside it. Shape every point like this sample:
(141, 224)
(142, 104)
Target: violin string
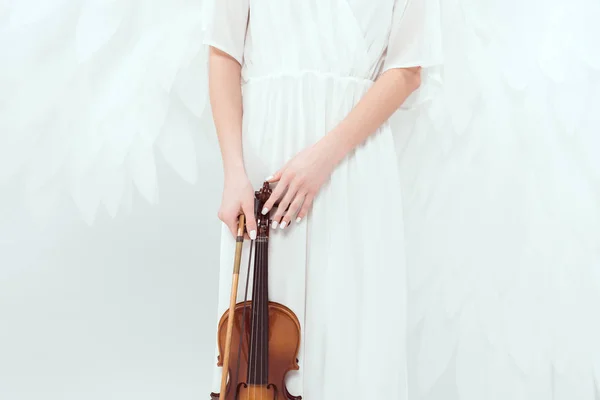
(265, 305)
(262, 317)
(265, 328)
(264, 310)
(256, 311)
(252, 345)
(262, 314)
(243, 328)
(254, 308)
(266, 324)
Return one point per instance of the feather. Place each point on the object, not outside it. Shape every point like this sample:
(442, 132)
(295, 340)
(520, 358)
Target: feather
(502, 206)
(93, 89)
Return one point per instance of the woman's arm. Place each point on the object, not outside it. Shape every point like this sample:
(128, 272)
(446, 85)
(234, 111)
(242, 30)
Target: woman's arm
(226, 101)
(306, 173)
(380, 102)
(225, 92)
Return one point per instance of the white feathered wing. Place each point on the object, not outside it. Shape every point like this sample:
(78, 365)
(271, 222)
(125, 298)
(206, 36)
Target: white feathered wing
(501, 177)
(92, 90)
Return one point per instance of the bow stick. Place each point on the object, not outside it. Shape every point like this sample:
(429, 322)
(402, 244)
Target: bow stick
(232, 303)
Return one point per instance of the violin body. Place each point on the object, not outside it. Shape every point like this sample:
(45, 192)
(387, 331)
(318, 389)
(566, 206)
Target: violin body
(283, 345)
(259, 345)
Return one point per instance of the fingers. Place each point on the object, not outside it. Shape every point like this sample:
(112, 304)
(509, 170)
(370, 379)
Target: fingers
(276, 177)
(283, 206)
(277, 193)
(248, 210)
(305, 206)
(297, 199)
(293, 209)
(229, 219)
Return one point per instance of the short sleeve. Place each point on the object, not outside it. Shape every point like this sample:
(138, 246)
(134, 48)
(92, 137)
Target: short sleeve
(415, 41)
(226, 25)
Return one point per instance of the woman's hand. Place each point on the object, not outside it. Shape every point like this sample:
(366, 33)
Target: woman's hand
(238, 197)
(299, 181)
(302, 177)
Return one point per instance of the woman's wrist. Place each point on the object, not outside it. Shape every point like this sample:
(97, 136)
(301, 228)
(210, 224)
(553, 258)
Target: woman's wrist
(234, 169)
(335, 146)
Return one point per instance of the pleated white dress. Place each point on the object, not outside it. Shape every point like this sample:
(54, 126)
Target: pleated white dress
(342, 269)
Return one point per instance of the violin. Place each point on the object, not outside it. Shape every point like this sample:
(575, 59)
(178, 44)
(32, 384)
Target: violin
(265, 335)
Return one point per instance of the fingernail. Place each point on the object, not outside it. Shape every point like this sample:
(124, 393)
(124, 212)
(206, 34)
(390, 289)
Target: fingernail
(298, 219)
(252, 234)
(283, 224)
(274, 225)
(264, 211)
(268, 178)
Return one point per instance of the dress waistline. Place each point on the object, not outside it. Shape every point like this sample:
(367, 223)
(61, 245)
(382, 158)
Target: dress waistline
(303, 73)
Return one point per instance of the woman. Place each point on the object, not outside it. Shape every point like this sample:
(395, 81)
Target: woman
(319, 80)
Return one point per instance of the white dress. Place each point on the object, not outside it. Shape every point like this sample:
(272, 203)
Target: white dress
(500, 173)
(341, 270)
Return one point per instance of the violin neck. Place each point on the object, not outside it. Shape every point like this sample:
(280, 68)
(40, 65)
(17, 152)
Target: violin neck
(258, 360)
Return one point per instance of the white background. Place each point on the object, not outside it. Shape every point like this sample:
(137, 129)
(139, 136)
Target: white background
(124, 309)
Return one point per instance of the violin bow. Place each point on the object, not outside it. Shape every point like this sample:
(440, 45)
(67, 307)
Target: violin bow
(232, 302)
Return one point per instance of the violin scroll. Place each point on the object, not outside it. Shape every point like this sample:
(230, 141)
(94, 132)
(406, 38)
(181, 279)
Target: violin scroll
(261, 197)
